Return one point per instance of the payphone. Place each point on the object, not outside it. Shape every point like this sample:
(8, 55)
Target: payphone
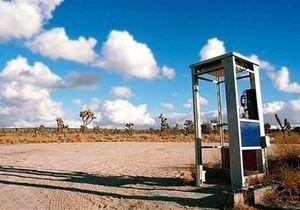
(245, 124)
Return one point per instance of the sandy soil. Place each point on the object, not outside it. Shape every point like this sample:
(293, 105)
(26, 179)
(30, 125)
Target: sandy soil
(101, 175)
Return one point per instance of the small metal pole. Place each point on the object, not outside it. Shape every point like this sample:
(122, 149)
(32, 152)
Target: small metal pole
(220, 121)
(197, 123)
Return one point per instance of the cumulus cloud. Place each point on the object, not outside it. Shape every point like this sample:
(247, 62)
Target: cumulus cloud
(121, 53)
(169, 73)
(262, 63)
(289, 110)
(47, 7)
(83, 80)
(167, 105)
(24, 18)
(18, 70)
(189, 103)
(25, 94)
(56, 44)
(214, 47)
(121, 92)
(280, 78)
(177, 117)
(116, 113)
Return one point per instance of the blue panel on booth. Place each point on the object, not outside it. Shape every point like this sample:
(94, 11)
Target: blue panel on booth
(250, 133)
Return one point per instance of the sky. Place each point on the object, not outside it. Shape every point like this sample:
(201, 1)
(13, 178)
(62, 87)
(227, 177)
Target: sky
(128, 61)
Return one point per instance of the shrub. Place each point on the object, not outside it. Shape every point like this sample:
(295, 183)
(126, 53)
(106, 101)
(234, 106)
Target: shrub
(189, 127)
(206, 128)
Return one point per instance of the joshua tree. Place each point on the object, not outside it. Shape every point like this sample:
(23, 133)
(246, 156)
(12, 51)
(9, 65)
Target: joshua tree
(96, 129)
(188, 127)
(286, 126)
(60, 125)
(41, 129)
(129, 128)
(206, 128)
(267, 127)
(87, 116)
(164, 126)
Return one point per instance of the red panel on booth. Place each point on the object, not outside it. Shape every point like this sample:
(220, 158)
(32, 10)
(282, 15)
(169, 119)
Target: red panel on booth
(249, 159)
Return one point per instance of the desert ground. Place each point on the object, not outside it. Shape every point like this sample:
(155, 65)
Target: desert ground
(112, 175)
(114, 170)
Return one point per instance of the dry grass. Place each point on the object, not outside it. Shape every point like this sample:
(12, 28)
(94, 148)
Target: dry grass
(243, 206)
(254, 180)
(51, 136)
(47, 135)
(284, 138)
(284, 173)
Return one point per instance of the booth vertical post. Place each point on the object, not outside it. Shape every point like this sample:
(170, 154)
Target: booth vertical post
(197, 124)
(262, 164)
(234, 131)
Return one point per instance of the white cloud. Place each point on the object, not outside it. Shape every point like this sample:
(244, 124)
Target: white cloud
(24, 18)
(280, 78)
(273, 107)
(25, 99)
(121, 53)
(262, 63)
(167, 105)
(56, 44)
(18, 70)
(121, 92)
(76, 123)
(169, 73)
(189, 103)
(177, 117)
(117, 112)
(47, 7)
(214, 47)
(289, 109)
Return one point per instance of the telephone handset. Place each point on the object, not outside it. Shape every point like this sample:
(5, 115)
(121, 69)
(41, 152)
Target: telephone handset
(248, 104)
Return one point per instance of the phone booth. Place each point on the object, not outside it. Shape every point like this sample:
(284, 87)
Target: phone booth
(238, 78)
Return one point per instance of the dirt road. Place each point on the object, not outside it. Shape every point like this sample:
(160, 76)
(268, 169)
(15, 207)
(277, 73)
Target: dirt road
(100, 175)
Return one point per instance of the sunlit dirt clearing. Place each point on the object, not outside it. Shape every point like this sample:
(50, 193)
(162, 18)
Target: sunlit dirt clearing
(101, 175)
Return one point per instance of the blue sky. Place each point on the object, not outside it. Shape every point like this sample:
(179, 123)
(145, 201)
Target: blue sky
(173, 31)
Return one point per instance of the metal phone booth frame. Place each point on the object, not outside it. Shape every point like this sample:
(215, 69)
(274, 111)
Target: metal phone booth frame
(245, 132)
